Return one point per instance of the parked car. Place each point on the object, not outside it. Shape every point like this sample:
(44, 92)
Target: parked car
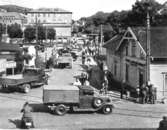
(61, 99)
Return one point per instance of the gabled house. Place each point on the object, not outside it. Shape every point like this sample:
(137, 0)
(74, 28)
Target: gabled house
(126, 57)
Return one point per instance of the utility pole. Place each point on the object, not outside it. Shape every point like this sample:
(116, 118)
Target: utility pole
(45, 43)
(36, 29)
(101, 38)
(36, 33)
(148, 49)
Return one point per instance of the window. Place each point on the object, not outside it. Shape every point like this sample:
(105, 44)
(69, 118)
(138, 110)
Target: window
(133, 49)
(44, 15)
(115, 68)
(127, 72)
(32, 15)
(126, 51)
(38, 15)
(48, 15)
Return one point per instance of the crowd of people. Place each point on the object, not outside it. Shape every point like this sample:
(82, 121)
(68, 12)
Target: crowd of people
(146, 93)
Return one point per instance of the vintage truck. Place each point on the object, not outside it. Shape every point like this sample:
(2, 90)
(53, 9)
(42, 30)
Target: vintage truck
(24, 82)
(65, 60)
(61, 99)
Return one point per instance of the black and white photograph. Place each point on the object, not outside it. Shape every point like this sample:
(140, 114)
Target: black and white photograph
(83, 65)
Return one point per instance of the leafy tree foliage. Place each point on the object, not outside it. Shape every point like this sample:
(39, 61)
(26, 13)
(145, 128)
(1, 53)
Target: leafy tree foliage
(140, 9)
(41, 33)
(51, 33)
(117, 21)
(29, 34)
(2, 29)
(15, 31)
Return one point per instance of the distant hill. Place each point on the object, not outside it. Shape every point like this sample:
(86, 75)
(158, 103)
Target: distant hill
(14, 8)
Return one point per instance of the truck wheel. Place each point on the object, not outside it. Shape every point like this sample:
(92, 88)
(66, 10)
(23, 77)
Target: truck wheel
(61, 110)
(5, 88)
(107, 109)
(97, 102)
(26, 88)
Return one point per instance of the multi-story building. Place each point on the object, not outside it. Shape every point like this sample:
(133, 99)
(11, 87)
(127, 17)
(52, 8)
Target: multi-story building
(56, 18)
(9, 18)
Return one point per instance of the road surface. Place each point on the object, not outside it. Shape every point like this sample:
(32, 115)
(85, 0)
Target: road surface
(125, 115)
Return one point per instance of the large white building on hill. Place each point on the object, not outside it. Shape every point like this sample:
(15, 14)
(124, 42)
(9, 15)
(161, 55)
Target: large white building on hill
(56, 18)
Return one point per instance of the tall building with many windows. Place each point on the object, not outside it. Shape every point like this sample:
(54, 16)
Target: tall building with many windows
(9, 18)
(56, 18)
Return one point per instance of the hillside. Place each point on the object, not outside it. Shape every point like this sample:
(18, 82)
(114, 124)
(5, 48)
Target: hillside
(14, 8)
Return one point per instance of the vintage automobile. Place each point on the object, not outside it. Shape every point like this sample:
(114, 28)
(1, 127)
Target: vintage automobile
(61, 99)
(65, 60)
(24, 82)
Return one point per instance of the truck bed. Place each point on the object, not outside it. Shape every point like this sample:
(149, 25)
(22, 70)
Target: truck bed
(17, 79)
(60, 94)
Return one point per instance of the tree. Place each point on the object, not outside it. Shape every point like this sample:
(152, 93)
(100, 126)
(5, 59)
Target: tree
(108, 32)
(29, 34)
(2, 30)
(100, 18)
(15, 31)
(139, 12)
(51, 33)
(41, 33)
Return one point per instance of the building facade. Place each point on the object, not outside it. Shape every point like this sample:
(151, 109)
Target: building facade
(8, 18)
(126, 58)
(58, 19)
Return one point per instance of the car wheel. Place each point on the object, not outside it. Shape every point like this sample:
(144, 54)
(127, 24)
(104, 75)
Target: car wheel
(61, 110)
(107, 109)
(26, 88)
(97, 102)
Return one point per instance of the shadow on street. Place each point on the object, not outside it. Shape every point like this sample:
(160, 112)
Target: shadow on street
(16, 122)
(39, 107)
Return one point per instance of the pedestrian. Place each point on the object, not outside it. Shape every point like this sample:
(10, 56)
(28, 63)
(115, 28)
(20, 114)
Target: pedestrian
(122, 88)
(127, 93)
(77, 82)
(138, 94)
(27, 113)
(143, 93)
(163, 124)
(87, 83)
(147, 94)
(83, 78)
(83, 57)
(105, 85)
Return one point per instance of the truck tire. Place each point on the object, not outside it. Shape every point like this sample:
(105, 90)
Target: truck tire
(107, 109)
(26, 88)
(5, 88)
(97, 102)
(61, 110)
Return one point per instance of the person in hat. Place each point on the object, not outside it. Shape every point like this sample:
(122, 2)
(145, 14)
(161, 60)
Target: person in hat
(163, 123)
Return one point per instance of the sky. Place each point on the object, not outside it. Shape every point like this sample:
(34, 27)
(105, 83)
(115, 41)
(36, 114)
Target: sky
(80, 8)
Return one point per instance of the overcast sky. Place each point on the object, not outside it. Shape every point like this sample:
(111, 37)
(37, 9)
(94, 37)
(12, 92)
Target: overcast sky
(80, 8)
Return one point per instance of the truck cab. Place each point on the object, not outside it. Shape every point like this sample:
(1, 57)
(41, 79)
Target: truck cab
(76, 98)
